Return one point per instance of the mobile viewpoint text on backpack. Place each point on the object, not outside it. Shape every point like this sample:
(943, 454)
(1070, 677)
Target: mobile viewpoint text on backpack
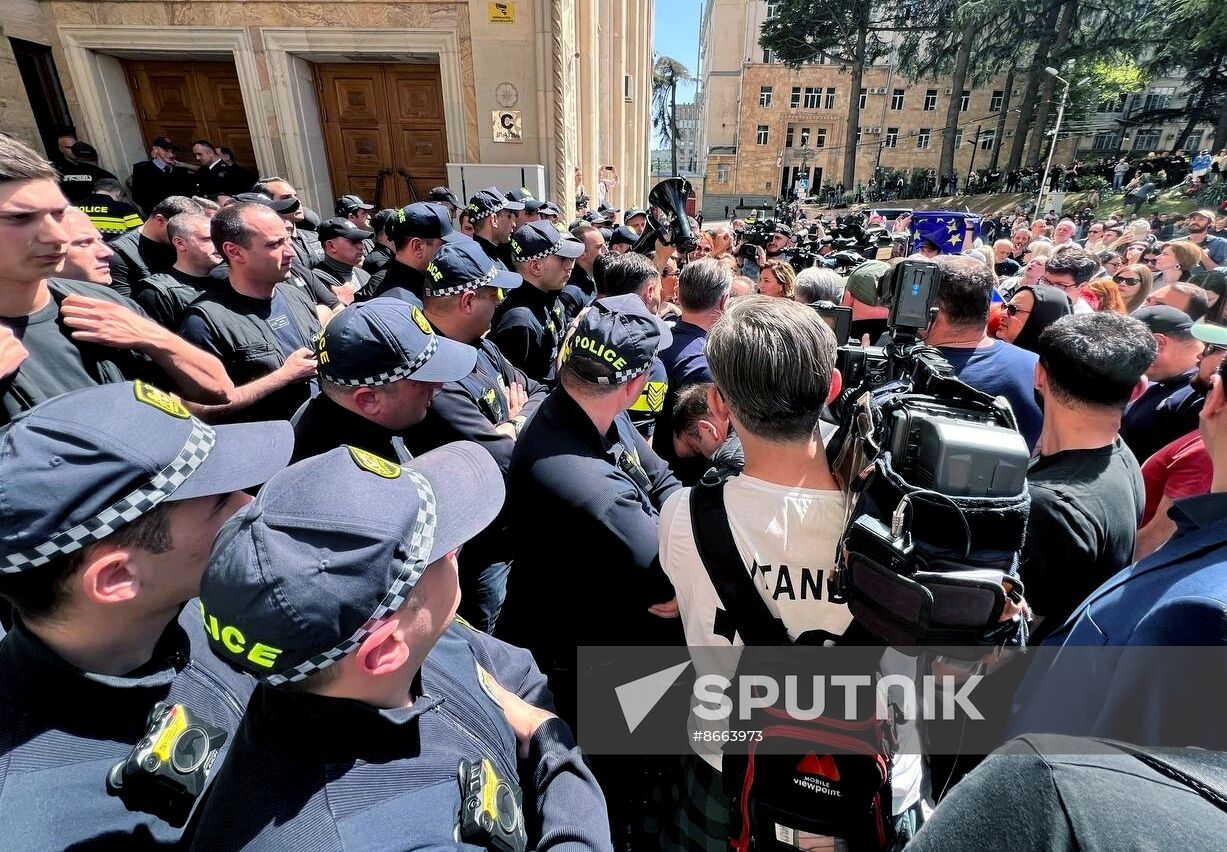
(953, 701)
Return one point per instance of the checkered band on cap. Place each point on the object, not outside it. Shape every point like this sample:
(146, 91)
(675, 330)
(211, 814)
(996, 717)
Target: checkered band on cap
(417, 546)
(622, 376)
(455, 290)
(539, 255)
(476, 214)
(128, 508)
(404, 371)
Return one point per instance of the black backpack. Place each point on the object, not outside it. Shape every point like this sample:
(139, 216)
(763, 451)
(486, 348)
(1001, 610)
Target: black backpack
(823, 777)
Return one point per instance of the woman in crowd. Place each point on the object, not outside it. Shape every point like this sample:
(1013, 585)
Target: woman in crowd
(1111, 262)
(1035, 259)
(777, 278)
(1214, 284)
(1102, 294)
(1176, 260)
(1135, 283)
(1031, 310)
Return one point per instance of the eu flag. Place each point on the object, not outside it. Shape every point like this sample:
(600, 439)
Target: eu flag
(946, 229)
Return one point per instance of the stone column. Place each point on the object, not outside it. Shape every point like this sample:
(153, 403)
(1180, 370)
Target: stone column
(589, 100)
(564, 105)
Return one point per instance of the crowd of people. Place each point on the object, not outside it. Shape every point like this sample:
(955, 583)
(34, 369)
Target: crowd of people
(350, 493)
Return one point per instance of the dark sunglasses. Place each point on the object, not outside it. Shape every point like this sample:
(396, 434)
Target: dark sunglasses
(1122, 279)
(1013, 310)
(1210, 348)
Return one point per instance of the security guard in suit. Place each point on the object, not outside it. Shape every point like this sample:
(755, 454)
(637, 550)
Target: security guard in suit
(490, 405)
(529, 325)
(379, 722)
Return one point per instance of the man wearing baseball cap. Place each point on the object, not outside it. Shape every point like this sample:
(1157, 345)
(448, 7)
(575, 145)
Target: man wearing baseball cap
(384, 249)
(160, 176)
(1213, 248)
(417, 232)
(380, 363)
(354, 209)
(344, 252)
(622, 239)
(379, 721)
(585, 481)
(493, 217)
(532, 206)
(490, 405)
(109, 501)
(1169, 406)
(529, 324)
(443, 195)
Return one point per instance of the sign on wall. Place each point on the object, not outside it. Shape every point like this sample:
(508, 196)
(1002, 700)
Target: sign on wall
(507, 125)
(502, 13)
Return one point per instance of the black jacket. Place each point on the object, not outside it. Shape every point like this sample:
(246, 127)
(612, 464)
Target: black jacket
(528, 328)
(323, 425)
(137, 257)
(394, 276)
(150, 184)
(166, 295)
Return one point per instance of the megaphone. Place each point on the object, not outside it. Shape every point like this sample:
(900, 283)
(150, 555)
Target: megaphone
(672, 226)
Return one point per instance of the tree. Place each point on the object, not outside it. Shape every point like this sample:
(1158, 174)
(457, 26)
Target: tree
(1192, 40)
(666, 74)
(845, 32)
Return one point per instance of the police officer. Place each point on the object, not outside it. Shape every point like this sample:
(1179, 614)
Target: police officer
(443, 195)
(379, 256)
(344, 250)
(490, 405)
(107, 209)
(166, 295)
(417, 232)
(622, 239)
(379, 721)
(379, 365)
(146, 250)
(532, 206)
(529, 324)
(550, 213)
(112, 495)
(585, 481)
(354, 209)
(305, 241)
(80, 171)
(494, 220)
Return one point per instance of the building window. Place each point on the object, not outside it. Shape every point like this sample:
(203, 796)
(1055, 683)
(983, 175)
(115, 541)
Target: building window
(820, 139)
(987, 139)
(811, 97)
(964, 100)
(896, 100)
(829, 102)
(804, 137)
(773, 7)
(930, 100)
(922, 139)
(762, 134)
(788, 137)
(722, 173)
(1105, 142)
(628, 87)
(998, 99)
(862, 98)
(1158, 98)
(767, 56)
(858, 135)
(1116, 104)
(1147, 139)
(891, 140)
(794, 100)
(958, 139)
(764, 96)
(1192, 142)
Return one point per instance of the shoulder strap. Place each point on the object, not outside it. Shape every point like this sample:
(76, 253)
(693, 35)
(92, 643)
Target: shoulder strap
(1203, 772)
(713, 539)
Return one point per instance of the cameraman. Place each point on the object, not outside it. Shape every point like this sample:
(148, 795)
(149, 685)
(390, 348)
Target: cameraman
(778, 248)
(960, 332)
(1086, 489)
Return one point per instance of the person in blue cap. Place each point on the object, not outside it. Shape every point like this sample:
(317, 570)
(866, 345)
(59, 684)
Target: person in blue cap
(109, 500)
(417, 232)
(380, 363)
(528, 327)
(532, 206)
(584, 480)
(493, 217)
(376, 710)
(622, 240)
(490, 405)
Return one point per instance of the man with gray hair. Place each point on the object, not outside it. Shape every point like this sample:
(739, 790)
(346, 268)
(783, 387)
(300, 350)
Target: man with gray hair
(703, 295)
(147, 249)
(166, 295)
(1003, 264)
(815, 284)
(773, 362)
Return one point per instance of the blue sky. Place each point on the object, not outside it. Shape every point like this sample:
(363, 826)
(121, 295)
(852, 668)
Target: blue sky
(675, 33)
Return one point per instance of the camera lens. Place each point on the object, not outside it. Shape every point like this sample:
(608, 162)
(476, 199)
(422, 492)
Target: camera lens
(190, 750)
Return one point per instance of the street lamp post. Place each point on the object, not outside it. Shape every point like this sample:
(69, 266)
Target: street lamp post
(975, 143)
(1052, 149)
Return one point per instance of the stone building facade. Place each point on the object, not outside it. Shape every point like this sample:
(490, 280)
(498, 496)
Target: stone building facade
(340, 97)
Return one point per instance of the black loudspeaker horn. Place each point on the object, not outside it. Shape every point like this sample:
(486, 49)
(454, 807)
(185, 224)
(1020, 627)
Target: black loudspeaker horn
(671, 226)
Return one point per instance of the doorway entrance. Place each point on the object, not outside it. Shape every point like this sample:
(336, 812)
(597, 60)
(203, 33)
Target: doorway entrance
(384, 128)
(191, 100)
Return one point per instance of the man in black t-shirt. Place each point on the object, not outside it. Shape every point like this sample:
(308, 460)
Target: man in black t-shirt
(146, 250)
(1086, 488)
(166, 295)
(261, 327)
(79, 172)
(58, 335)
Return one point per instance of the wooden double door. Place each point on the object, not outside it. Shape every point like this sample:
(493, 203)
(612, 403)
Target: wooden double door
(384, 129)
(191, 100)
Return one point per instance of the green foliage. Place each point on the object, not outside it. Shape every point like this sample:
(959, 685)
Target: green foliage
(667, 72)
